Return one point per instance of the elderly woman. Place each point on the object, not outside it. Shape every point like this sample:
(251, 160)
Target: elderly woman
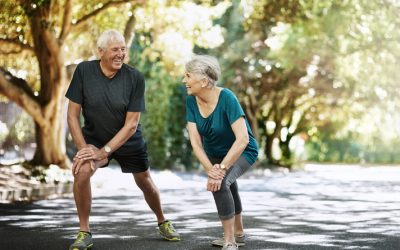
(222, 141)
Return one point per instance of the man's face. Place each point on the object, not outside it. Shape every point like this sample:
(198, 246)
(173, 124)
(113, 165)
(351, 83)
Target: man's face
(113, 56)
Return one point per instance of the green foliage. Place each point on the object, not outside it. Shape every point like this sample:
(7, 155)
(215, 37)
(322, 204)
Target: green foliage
(302, 65)
(20, 133)
(159, 50)
(164, 120)
(334, 150)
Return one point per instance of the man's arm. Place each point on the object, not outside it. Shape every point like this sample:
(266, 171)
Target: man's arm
(73, 119)
(131, 123)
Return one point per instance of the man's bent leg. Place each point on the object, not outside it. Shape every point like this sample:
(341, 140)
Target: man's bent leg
(151, 194)
(83, 193)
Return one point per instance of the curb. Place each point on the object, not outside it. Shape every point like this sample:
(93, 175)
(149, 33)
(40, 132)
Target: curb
(37, 192)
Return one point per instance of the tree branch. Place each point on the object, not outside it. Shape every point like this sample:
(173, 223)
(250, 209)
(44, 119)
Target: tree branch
(16, 43)
(17, 90)
(107, 5)
(66, 25)
(129, 32)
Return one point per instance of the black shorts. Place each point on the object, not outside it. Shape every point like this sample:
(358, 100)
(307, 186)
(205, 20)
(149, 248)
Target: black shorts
(131, 160)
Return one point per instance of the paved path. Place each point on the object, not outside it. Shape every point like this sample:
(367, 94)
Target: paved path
(320, 208)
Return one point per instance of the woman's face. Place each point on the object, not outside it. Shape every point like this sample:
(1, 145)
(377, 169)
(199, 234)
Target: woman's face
(193, 82)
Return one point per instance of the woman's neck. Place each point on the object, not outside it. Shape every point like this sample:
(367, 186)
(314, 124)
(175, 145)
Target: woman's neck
(209, 96)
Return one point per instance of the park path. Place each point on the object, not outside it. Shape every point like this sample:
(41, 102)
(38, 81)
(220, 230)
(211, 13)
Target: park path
(321, 207)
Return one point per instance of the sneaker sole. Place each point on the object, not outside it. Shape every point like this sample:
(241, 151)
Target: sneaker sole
(87, 248)
(221, 245)
(172, 239)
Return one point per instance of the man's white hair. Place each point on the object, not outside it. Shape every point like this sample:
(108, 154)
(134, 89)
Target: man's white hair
(108, 36)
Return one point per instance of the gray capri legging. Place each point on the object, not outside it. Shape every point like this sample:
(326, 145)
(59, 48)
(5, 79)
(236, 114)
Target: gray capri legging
(227, 198)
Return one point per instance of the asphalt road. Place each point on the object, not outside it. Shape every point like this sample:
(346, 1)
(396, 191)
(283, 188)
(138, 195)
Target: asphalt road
(320, 208)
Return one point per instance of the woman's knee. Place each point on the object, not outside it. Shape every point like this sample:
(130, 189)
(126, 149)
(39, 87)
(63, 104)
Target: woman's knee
(224, 186)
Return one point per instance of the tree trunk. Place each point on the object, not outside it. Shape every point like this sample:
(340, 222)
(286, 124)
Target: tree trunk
(268, 148)
(286, 159)
(50, 138)
(252, 119)
(270, 140)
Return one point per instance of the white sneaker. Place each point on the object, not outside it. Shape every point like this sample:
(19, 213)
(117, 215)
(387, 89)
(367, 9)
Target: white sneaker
(230, 246)
(240, 241)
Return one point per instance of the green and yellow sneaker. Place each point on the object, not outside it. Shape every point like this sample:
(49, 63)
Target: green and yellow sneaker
(83, 241)
(168, 231)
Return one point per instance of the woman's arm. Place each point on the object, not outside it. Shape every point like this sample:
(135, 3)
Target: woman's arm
(215, 175)
(242, 140)
(197, 145)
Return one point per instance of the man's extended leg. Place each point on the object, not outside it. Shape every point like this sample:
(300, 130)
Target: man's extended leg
(151, 194)
(152, 197)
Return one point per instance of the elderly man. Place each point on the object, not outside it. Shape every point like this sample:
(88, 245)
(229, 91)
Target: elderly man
(110, 95)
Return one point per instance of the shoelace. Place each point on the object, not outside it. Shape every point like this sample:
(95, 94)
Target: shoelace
(169, 227)
(81, 237)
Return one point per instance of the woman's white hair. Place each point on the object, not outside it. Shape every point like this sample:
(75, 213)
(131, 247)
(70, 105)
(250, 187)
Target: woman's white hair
(205, 66)
(108, 36)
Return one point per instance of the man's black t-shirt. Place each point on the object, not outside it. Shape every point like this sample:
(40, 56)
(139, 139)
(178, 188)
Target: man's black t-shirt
(106, 101)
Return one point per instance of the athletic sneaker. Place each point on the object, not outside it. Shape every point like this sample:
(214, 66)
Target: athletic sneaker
(230, 246)
(83, 241)
(240, 241)
(168, 231)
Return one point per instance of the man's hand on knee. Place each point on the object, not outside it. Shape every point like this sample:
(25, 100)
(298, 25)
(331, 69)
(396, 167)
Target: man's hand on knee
(78, 164)
(91, 152)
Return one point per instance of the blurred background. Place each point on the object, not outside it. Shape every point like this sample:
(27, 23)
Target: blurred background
(317, 79)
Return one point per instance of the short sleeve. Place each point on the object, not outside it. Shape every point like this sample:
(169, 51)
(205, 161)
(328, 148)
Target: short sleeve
(136, 103)
(189, 109)
(233, 109)
(74, 92)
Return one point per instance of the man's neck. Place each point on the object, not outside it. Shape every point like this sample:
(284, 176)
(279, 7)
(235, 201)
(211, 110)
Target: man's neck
(108, 73)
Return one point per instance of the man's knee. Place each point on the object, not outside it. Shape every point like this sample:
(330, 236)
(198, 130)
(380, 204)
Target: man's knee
(144, 182)
(85, 172)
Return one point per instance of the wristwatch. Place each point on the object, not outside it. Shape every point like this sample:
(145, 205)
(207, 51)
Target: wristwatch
(107, 149)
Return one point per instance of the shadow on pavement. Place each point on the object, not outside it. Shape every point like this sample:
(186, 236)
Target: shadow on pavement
(292, 211)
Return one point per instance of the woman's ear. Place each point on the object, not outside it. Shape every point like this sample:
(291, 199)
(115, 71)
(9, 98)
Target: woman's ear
(204, 82)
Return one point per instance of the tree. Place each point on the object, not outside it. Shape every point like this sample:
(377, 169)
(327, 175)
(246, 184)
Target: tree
(279, 87)
(38, 30)
(289, 63)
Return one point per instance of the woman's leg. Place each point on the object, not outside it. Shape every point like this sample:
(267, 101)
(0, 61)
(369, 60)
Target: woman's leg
(238, 209)
(227, 199)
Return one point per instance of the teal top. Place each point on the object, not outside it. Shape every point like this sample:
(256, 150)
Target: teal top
(216, 131)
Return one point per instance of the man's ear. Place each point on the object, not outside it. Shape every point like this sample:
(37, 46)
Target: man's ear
(100, 51)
